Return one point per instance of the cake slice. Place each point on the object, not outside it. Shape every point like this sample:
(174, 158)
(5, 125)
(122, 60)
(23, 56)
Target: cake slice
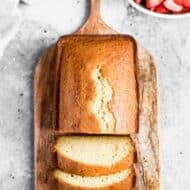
(123, 180)
(94, 155)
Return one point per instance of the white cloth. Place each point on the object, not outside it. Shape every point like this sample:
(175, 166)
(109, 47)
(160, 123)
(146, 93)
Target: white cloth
(9, 22)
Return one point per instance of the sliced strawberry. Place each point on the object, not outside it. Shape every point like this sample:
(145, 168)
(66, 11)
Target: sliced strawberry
(138, 1)
(179, 2)
(161, 9)
(153, 3)
(172, 6)
(152, 9)
(186, 3)
(184, 10)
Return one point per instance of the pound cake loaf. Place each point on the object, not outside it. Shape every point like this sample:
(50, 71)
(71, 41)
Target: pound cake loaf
(123, 180)
(94, 155)
(98, 92)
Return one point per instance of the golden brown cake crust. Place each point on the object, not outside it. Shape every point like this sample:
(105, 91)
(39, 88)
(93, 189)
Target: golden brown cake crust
(126, 184)
(116, 56)
(79, 168)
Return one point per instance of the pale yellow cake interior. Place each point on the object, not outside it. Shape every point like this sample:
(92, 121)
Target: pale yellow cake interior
(94, 150)
(91, 182)
(99, 106)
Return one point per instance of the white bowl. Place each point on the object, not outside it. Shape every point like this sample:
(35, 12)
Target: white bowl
(160, 15)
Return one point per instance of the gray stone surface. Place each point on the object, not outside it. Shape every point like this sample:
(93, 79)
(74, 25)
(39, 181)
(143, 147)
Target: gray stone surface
(43, 23)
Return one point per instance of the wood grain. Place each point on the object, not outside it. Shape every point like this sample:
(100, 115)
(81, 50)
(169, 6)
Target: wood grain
(44, 111)
(46, 89)
(147, 139)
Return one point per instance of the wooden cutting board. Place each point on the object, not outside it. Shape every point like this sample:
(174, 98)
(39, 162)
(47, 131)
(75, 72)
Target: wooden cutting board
(45, 116)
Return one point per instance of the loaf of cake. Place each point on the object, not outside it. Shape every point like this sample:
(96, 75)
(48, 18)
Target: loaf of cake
(98, 91)
(94, 155)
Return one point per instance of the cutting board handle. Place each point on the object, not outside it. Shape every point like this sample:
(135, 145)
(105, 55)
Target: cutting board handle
(94, 23)
(94, 10)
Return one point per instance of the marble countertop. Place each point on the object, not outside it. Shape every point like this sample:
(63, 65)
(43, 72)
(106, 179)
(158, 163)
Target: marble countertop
(41, 24)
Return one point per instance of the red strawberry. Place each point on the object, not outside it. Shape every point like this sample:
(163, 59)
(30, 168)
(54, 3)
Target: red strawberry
(186, 3)
(172, 6)
(161, 9)
(184, 10)
(153, 3)
(179, 2)
(138, 1)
